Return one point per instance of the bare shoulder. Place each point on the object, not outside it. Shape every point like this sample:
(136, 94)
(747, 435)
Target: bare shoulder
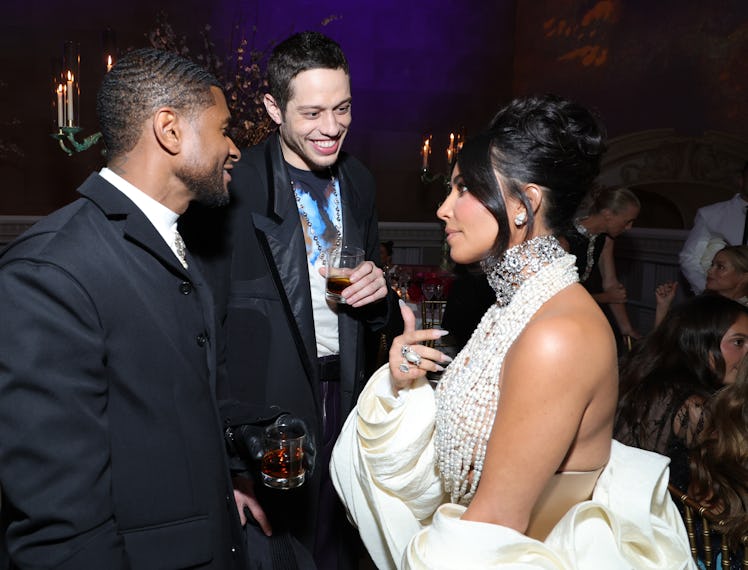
(569, 319)
(568, 333)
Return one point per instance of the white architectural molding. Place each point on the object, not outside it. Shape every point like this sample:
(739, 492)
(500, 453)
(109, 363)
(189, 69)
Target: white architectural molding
(414, 243)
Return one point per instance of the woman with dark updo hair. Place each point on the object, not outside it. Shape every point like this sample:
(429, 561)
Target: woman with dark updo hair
(510, 461)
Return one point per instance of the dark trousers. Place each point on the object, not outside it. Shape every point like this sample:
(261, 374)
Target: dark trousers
(337, 545)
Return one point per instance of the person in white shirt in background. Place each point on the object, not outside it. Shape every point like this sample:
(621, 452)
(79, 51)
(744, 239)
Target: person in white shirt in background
(716, 225)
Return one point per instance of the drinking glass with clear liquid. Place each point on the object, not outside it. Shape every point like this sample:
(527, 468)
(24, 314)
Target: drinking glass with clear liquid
(341, 262)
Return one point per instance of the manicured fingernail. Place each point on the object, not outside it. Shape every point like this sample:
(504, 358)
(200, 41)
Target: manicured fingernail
(442, 332)
(401, 302)
(439, 368)
(446, 358)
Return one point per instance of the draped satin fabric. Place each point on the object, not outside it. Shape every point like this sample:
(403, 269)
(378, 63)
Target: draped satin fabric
(384, 469)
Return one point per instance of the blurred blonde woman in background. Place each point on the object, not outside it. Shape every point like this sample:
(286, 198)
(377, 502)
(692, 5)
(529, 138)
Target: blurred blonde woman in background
(603, 216)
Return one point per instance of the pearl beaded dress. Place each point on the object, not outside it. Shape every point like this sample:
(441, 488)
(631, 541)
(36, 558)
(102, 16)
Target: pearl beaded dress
(525, 277)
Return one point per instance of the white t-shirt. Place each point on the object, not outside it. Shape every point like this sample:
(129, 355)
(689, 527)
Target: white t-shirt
(325, 315)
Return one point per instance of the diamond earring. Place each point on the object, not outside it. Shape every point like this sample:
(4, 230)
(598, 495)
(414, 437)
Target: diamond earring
(520, 219)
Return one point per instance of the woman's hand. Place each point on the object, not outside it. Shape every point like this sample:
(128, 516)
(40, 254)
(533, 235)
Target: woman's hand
(664, 295)
(665, 292)
(615, 294)
(410, 360)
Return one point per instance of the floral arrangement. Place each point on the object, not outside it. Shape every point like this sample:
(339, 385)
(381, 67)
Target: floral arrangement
(241, 71)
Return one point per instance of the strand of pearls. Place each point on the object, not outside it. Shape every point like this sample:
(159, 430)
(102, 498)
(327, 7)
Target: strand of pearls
(467, 396)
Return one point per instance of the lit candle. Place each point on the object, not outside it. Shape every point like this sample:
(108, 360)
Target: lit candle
(450, 149)
(60, 111)
(109, 63)
(425, 152)
(71, 117)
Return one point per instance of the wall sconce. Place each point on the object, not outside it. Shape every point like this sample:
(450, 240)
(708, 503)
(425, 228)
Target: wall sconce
(66, 94)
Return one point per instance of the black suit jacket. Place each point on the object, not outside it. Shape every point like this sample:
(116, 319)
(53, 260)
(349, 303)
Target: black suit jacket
(254, 255)
(111, 447)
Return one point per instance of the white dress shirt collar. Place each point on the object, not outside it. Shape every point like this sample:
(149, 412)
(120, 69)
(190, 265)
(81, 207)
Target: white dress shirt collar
(162, 218)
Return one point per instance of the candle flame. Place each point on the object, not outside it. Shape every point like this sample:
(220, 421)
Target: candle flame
(70, 75)
(60, 88)
(109, 63)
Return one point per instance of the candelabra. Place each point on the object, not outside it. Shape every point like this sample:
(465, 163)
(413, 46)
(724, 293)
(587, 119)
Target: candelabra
(66, 95)
(427, 176)
(66, 136)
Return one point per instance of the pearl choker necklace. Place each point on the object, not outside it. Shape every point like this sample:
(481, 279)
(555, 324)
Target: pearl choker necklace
(518, 263)
(467, 396)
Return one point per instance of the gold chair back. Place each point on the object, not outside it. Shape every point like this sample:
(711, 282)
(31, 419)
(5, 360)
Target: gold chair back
(431, 315)
(705, 535)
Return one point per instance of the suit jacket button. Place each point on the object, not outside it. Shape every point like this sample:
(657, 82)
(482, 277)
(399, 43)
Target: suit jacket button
(185, 287)
(201, 339)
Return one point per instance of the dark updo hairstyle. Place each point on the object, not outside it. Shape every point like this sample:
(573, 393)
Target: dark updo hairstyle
(544, 140)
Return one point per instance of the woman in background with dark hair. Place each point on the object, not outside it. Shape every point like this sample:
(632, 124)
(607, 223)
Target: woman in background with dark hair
(385, 254)
(671, 373)
(510, 461)
(719, 460)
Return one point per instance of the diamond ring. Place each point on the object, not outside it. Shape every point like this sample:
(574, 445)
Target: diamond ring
(412, 356)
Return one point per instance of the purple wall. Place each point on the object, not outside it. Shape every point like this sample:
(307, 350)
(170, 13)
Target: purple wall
(417, 67)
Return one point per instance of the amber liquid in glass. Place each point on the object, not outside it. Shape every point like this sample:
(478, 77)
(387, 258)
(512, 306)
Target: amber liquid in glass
(282, 463)
(283, 468)
(335, 286)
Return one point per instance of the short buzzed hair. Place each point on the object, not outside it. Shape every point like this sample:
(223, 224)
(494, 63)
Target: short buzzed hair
(141, 82)
(301, 52)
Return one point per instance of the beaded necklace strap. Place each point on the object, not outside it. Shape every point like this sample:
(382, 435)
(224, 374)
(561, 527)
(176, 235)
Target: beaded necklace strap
(337, 219)
(592, 239)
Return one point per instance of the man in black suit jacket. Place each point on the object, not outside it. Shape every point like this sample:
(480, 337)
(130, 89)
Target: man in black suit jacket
(111, 446)
(292, 197)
